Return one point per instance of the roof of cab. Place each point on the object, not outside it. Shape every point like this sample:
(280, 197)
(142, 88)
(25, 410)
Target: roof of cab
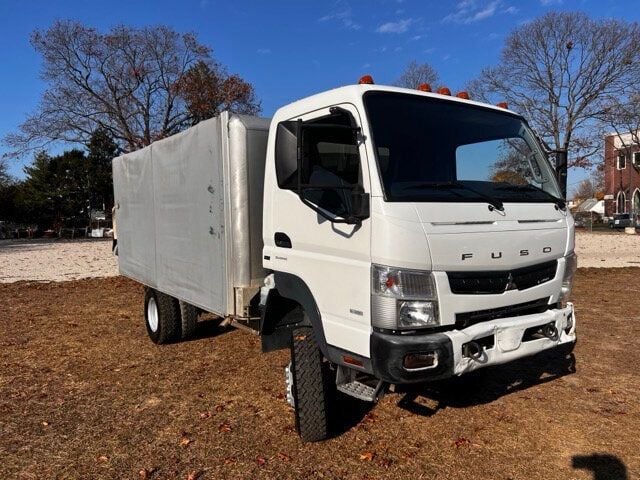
(352, 93)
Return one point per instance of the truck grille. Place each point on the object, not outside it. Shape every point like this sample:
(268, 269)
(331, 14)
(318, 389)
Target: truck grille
(484, 283)
(466, 319)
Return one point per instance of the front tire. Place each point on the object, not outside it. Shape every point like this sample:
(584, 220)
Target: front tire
(314, 388)
(162, 317)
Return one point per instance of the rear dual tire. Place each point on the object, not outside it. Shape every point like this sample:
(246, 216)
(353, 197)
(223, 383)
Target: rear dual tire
(162, 317)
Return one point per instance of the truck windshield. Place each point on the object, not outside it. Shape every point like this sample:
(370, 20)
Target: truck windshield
(432, 150)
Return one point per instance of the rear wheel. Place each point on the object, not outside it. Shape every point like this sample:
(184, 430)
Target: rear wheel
(314, 388)
(189, 317)
(162, 316)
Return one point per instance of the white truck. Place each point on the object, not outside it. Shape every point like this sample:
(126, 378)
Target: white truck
(384, 235)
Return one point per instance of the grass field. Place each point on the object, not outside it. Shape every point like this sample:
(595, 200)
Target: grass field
(85, 394)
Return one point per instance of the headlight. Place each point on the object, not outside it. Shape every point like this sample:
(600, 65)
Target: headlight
(403, 298)
(570, 266)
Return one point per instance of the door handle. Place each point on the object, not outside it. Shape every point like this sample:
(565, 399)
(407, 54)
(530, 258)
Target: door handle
(282, 240)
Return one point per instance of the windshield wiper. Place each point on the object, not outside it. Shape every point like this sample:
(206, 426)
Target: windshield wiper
(532, 188)
(493, 202)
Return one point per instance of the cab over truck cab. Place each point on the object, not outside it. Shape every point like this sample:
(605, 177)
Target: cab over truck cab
(407, 236)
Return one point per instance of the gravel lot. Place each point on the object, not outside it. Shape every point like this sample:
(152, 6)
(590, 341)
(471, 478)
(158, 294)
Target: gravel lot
(607, 249)
(59, 260)
(56, 260)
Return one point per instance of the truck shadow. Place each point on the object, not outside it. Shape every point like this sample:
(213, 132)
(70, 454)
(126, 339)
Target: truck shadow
(603, 466)
(486, 385)
(208, 328)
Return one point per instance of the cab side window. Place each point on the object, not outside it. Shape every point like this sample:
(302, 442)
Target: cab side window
(330, 159)
(330, 155)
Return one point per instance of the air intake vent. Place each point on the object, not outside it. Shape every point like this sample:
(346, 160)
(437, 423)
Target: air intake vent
(464, 320)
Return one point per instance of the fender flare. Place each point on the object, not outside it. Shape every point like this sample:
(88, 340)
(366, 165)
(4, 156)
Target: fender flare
(292, 287)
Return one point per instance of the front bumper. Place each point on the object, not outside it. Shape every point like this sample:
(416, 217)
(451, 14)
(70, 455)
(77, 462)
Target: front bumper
(505, 340)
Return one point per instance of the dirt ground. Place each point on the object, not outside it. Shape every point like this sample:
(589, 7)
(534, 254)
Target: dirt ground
(85, 394)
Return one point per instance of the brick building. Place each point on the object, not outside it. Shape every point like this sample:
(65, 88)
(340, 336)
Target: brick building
(622, 176)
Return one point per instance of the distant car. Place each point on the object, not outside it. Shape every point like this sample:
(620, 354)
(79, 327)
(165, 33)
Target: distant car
(620, 220)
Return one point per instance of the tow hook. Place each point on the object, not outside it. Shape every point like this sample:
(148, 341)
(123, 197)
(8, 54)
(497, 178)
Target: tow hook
(550, 331)
(472, 350)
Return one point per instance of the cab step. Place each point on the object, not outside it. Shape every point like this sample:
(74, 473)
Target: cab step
(359, 385)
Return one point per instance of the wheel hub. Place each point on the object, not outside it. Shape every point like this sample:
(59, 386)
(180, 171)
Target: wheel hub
(288, 378)
(152, 314)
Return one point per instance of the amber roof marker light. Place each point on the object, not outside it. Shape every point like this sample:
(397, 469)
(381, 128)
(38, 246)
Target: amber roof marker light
(366, 80)
(504, 105)
(463, 95)
(444, 91)
(424, 87)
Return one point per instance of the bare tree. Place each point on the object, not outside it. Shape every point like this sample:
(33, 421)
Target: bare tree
(123, 82)
(585, 190)
(558, 70)
(416, 74)
(621, 115)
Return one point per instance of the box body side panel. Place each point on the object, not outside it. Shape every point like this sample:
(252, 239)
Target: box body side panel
(133, 194)
(190, 217)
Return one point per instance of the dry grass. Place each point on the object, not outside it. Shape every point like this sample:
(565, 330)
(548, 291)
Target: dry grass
(84, 394)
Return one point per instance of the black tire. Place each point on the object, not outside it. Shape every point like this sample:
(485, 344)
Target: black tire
(165, 328)
(314, 388)
(189, 317)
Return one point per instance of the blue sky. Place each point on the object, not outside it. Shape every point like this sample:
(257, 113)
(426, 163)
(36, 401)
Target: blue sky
(290, 49)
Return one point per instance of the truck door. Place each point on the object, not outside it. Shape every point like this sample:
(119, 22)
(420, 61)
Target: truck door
(310, 237)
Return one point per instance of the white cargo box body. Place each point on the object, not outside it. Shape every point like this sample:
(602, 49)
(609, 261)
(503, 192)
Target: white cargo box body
(189, 212)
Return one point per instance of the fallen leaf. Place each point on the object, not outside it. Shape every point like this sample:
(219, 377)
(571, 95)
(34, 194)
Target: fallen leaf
(219, 407)
(385, 462)
(368, 456)
(194, 475)
(261, 461)
(205, 415)
(224, 427)
(229, 460)
(284, 457)
(103, 458)
(46, 424)
(146, 473)
(461, 441)
(370, 417)
(185, 442)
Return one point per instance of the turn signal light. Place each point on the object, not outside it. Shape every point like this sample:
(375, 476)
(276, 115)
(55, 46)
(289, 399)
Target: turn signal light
(504, 105)
(366, 80)
(424, 87)
(463, 95)
(444, 91)
(349, 360)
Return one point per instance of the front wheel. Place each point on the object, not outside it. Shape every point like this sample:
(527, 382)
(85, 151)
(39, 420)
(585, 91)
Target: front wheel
(314, 387)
